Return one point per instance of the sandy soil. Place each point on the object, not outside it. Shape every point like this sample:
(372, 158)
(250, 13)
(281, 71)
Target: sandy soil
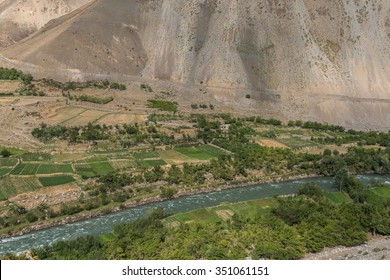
(270, 143)
(51, 196)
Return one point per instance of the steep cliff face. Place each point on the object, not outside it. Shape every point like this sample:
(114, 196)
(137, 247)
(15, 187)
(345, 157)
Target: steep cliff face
(336, 47)
(19, 18)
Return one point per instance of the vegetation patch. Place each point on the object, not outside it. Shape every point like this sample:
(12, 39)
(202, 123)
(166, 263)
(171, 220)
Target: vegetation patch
(163, 105)
(25, 169)
(36, 157)
(146, 155)
(13, 151)
(67, 157)
(5, 171)
(54, 168)
(94, 99)
(382, 191)
(213, 151)
(338, 197)
(194, 152)
(11, 186)
(102, 168)
(122, 164)
(150, 163)
(174, 157)
(295, 143)
(85, 170)
(8, 162)
(56, 180)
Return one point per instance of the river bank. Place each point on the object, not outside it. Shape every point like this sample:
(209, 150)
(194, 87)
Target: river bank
(136, 203)
(377, 248)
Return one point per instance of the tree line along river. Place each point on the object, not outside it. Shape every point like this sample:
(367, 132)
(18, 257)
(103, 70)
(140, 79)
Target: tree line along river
(104, 224)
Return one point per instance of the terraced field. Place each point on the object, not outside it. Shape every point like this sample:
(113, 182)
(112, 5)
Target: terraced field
(64, 114)
(37, 168)
(56, 180)
(11, 186)
(8, 162)
(122, 119)
(93, 167)
(5, 171)
(151, 163)
(36, 157)
(174, 157)
(295, 142)
(88, 116)
(195, 153)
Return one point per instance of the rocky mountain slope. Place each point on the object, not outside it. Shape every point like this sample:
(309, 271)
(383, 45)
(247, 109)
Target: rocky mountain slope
(328, 59)
(19, 18)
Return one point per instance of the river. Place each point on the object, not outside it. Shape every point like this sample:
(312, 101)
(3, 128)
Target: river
(104, 224)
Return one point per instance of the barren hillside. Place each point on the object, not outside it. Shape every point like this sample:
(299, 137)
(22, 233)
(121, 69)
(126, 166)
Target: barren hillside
(324, 60)
(19, 18)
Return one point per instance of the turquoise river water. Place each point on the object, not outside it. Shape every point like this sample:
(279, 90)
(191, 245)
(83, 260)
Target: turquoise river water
(104, 224)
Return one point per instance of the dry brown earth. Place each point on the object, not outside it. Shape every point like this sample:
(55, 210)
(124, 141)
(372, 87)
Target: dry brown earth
(302, 59)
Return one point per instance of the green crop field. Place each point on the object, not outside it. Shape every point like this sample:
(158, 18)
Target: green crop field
(26, 169)
(85, 170)
(8, 162)
(18, 169)
(30, 169)
(96, 159)
(68, 157)
(122, 164)
(297, 142)
(54, 168)
(382, 191)
(194, 152)
(102, 168)
(36, 157)
(150, 163)
(5, 170)
(337, 197)
(146, 155)
(215, 152)
(378, 196)
(14, 151)
(11, 186)
(56, 180)
(36, 168)
(93, 169)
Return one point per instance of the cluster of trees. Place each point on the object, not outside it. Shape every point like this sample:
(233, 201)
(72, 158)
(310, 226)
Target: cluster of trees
(296, 225)
(126, 135)
(5, 153)
(70, 85)
(92, 99)
(316, 126)
(13, 74)
(361, 137)
(163, 105)
(27, 87)
(91, 132)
